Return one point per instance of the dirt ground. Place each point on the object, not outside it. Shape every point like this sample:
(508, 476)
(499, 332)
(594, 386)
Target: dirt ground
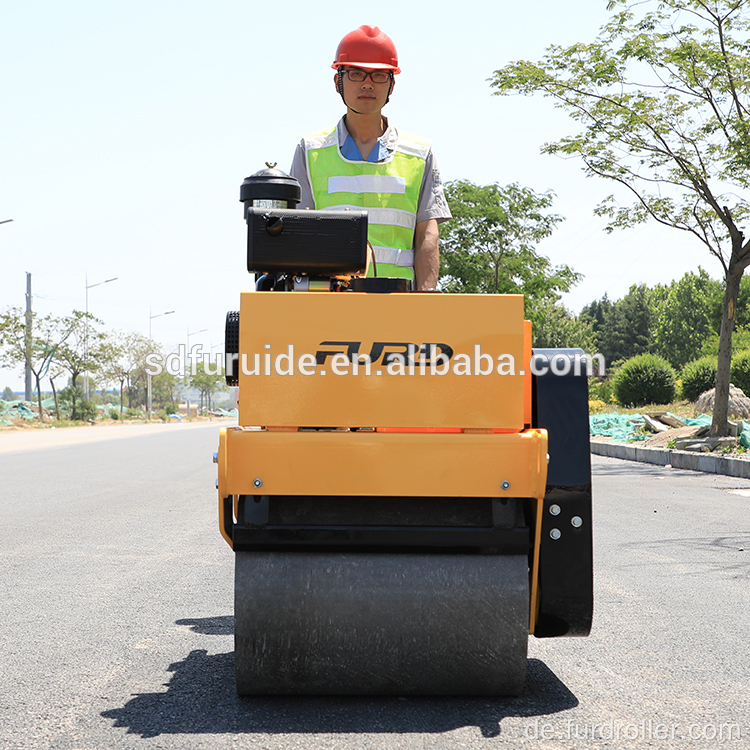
(21, 425)
(660, 439)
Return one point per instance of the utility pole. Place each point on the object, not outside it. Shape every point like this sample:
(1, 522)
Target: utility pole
(29, 320)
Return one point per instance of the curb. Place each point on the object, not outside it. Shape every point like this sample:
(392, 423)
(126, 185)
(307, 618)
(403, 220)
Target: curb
(705, 462)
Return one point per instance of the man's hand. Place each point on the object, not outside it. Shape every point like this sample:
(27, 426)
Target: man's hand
(426, 255)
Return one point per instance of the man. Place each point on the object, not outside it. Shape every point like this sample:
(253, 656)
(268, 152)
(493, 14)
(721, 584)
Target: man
(364, 162)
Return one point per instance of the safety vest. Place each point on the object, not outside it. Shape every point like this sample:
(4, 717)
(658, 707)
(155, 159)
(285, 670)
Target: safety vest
(389, 191)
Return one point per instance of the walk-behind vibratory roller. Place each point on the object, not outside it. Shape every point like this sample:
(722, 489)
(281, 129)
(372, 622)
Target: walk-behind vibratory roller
(408, 492)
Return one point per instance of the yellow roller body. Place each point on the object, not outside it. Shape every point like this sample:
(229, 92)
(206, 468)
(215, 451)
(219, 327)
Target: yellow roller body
(485, 386)
(422, 429)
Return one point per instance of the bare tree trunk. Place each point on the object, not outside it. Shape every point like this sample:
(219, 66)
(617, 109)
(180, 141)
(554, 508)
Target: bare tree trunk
(54, 393)
(39, 397)
(720, 426)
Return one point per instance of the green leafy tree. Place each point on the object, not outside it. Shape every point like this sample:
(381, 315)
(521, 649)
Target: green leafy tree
(656, 297)
(122, 362)
(684, 321)
(555, 326)
(489, 246)
(661, 95)
(164, 390)
(8, 394)
(111, 368)
(79, 408)
(78, 354)
(595, 314)
(207, 383)
(48, 334)
(740, 342)
(627, 326)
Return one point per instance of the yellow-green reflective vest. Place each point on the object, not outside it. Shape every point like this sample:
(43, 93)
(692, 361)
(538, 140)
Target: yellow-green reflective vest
(389, 191)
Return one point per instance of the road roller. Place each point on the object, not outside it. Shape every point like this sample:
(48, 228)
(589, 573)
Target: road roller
(408, 490)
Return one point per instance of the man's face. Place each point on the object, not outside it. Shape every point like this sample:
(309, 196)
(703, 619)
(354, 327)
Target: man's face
(368, 96)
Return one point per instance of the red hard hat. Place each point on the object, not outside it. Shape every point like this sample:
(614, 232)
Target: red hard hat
(367, 47)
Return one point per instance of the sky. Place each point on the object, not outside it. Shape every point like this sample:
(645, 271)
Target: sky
(126, 129)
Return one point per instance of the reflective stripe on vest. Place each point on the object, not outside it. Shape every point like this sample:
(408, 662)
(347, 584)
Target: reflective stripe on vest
(388, 190)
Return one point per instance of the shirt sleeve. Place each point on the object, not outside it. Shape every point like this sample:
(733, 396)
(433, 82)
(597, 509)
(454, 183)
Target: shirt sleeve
(432, 202)
(299, 172)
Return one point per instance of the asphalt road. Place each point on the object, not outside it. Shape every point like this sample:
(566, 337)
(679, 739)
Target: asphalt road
(116, 612)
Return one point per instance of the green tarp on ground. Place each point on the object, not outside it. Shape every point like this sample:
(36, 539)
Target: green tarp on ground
(622, 427)
(616, 426)
(10, 410)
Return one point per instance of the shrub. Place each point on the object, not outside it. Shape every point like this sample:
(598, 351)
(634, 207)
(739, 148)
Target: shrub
(600, 389)
(645, 379)
(596, 405)
(698, 377)
(740, 371)
(87, 410)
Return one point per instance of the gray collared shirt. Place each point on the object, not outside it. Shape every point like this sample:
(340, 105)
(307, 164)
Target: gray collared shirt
(432, 203)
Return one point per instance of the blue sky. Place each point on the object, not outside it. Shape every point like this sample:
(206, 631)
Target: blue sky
(127, 129)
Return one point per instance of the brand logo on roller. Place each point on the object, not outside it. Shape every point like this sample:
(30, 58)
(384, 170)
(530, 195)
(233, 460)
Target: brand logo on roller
(384, 349)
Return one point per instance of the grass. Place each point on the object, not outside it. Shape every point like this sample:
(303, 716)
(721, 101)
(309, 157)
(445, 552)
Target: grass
(678, 408)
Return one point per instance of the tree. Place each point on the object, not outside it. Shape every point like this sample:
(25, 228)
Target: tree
(626, 331)
(54, 372)
(684, 324)
(489, 244)
(79, 354)
(122, 360)
(48, 334)
(8, 394)
(207, 383)
(595, 313)
(111, 367)
(555, 326)
(164, 388)
(662, 100)
(716, 306)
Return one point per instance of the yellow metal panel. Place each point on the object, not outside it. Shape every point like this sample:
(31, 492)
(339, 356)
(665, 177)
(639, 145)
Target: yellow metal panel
(536, 535)
(374, 463)
(277, 328)
(222, 481)
(370, 463)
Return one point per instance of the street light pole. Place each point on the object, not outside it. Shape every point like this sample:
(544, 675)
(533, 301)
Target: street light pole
(149, 405)
(86, 335)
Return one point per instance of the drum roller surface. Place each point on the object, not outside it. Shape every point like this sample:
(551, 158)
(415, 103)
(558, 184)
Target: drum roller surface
(380, 624)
